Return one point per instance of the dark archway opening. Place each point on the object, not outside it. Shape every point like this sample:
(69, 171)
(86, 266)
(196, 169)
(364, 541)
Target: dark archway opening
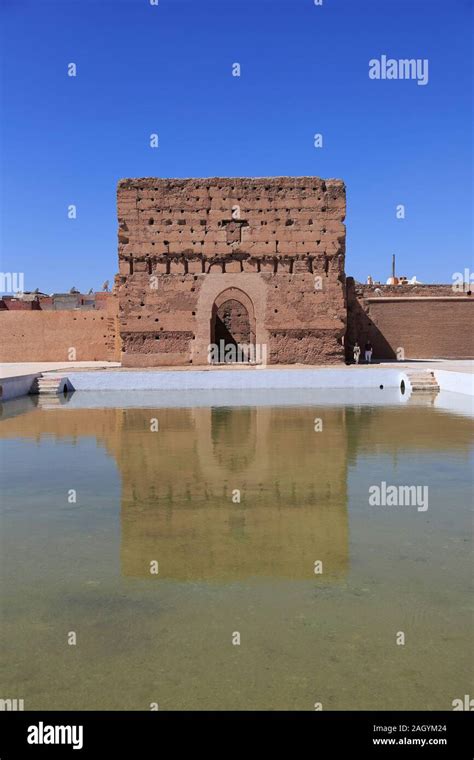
(231, 332)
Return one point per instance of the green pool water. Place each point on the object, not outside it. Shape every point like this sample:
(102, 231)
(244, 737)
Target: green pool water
(236, 507)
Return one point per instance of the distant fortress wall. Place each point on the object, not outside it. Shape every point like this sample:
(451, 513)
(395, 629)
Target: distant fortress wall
(49, 336)
(411, 321)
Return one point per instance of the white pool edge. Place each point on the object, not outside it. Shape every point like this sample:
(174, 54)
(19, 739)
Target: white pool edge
(235, 379)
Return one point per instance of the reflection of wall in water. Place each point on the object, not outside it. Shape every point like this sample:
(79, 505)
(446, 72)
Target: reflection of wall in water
(178, 483)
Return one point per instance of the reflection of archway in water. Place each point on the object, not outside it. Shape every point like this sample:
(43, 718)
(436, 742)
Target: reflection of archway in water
(233, 325)
(233, 434)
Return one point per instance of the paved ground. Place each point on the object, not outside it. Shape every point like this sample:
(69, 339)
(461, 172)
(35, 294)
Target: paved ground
(31, 368)
(449, 365)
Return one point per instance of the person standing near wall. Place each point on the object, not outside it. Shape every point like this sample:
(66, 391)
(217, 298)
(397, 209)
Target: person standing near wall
(368, 352)
(356, 352)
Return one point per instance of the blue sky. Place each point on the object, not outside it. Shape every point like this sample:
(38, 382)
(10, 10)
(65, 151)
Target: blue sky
(167, 69)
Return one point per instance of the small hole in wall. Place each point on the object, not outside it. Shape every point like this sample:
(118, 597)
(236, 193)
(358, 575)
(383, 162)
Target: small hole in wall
(193, 313)
(156, 319)
(276, 311)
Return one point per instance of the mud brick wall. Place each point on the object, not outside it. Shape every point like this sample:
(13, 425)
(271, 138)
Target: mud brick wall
(426, 321)
(35, 336)
(275, 245)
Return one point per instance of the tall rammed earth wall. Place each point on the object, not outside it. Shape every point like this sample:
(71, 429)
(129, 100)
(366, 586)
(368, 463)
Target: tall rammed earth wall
(410, 321)
(186, 246)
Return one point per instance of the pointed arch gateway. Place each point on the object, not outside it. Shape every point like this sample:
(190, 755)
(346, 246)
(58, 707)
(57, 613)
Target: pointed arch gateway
(233, 327)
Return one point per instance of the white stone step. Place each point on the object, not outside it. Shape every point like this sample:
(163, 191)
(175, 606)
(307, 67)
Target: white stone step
(422, 381)
(51, 385)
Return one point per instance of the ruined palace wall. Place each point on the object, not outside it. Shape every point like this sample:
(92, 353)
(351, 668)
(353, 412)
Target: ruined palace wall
(183, 242)
(426, 321)
(48, 335)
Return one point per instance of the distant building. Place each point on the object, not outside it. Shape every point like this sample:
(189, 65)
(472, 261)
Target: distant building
(20, 302)
(63, 301)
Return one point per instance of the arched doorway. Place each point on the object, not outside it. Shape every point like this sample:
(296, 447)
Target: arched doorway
(232, 328)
